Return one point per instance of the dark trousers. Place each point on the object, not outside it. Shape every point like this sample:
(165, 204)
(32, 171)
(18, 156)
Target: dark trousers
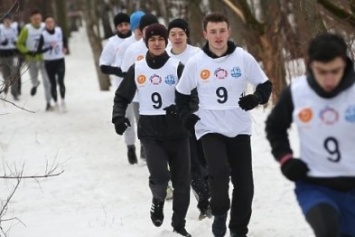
(199, 174)
(230, 157)
(174, 154)
(56, 71)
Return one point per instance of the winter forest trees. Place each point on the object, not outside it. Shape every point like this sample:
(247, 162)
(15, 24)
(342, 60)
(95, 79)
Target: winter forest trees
(276, 32)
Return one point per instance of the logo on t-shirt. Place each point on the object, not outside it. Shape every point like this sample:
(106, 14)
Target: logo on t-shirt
(350, 114)
(305, 115)
(170, 80)
(205, 74)
(141, 79)
(220, 73)
(236, 72)
(155, 79)
(140, 57)
(329, 115)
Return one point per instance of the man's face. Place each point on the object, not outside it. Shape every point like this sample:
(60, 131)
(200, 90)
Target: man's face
(123, 28)
(217, 35)
(7, 22)
(36, 19)
(156, 45)
(50, 23)
(328, 75)
(177, 37)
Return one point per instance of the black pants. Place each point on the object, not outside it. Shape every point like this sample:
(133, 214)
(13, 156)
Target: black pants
(175, 154)
(56, 70)
(230, 157)
(199, 173)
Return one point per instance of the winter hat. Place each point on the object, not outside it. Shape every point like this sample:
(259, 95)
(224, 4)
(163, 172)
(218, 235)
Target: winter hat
(179, 23)
(7, 16)
(135, 19)
(120, 18)
(156, 29)
(147, 20)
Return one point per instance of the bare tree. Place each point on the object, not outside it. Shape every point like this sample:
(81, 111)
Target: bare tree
(89, 8)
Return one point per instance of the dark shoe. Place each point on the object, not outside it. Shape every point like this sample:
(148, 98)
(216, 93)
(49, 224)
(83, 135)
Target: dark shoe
(131, 153)
(236, 235)
(156, 212)
(182, 231)
(219, 227)
(33, 90)
(205, 213)
(49, 107)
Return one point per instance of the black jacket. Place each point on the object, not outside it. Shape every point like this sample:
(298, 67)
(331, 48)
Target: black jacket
(280, 119)
(158, 127)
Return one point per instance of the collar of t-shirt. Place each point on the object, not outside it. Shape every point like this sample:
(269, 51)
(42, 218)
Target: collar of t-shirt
(123, 36)
(347, 81)
(156, 62)
(50, 31)
(230, 49)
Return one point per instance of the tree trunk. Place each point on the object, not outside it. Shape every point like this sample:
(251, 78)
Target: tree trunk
(106, 23)
(195, 20)
(92, 29)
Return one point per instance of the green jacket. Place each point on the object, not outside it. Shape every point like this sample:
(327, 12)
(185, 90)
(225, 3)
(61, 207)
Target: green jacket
(21, 45)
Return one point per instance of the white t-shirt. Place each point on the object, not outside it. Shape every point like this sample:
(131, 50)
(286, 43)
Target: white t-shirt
(33, 36)
(220, 83)
(10, 34)
(57, 39)
(326, 128)
(184, 56)
(156, 87)
(123, 48)
(135, 52)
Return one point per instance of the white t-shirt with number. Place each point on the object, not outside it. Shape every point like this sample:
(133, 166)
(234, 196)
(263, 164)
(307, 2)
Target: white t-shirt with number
(10, 34)
(136, 52)
(156, 87)
(184, 56)
(326, 129)
(56, 41)
(220, 83)
(33, 36)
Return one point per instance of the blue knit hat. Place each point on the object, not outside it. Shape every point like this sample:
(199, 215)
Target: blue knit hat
(135, 19)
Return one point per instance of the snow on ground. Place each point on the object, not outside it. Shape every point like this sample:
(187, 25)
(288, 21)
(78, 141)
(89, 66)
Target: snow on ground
(99, 193)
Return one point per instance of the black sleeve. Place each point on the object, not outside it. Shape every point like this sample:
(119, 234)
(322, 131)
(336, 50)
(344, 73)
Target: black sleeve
(277, 124)
(124, 95)
(110, 70)
(180, 69)
(65, 42)
(40, 48)
(263, 91)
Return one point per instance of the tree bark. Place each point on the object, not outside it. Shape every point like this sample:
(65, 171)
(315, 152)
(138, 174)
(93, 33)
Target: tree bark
(93, 32)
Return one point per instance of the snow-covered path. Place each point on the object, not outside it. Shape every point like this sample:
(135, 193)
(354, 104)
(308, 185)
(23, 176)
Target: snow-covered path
(99, 194)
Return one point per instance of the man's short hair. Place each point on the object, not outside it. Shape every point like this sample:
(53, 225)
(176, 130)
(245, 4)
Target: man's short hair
(214, 17)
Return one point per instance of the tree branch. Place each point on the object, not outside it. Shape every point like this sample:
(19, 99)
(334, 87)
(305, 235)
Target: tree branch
(338, 12)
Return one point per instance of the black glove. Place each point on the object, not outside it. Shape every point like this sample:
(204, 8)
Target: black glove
(121, 124)
(32, 53)
(5, 42)
(294, 169)
(171, 110)
(249, 102)
(189, 121)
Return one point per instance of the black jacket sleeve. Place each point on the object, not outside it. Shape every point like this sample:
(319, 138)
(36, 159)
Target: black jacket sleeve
(277, 124)
(124, 95)
(40, 48)
(110, 70)
(263, 91)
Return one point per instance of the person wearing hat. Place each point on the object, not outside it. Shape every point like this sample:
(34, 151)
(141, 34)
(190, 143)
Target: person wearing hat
(179, 48)
(136, 52)
(110, 65)
(160, 130)
(9, 31)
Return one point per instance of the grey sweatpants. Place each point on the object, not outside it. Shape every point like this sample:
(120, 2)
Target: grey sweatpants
(9, 72)
(130, 133)
(34, 67)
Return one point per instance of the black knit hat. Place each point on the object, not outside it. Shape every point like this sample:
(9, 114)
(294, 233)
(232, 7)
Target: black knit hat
(147, 20)
(179, 23)
(120, 18)
(156, 29)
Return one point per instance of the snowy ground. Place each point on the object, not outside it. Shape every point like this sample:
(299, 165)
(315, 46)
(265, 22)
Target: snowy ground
(99, 194)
